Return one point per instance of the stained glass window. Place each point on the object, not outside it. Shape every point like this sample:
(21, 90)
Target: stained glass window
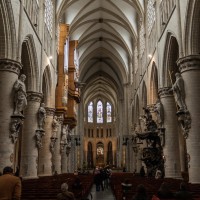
(48, 15)
(99, 112)
(90, 112)
(150, 15)
(109, 112)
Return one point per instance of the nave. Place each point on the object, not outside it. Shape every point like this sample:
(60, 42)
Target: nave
(48, 187)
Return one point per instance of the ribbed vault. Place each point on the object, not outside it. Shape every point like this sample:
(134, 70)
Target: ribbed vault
(107, 31)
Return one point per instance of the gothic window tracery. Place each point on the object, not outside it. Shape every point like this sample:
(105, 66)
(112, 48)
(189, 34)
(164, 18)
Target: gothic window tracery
(99, 112)
(142, 40)
(90, 112)
(151, 14)
(48, 15)
(109, 111)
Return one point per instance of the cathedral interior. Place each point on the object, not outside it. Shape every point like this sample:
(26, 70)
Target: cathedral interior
(86, 83)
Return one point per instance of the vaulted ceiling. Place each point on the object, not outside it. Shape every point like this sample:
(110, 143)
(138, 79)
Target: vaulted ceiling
(107, 31)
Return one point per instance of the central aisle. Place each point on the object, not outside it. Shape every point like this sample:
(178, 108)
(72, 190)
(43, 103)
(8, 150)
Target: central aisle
(106, 194)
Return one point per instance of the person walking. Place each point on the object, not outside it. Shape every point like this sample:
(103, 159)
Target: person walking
(10, 185)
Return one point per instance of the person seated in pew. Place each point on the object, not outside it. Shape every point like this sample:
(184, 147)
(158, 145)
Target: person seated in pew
(183, 193)
(65, 194)
(141, 193)
(164, 191)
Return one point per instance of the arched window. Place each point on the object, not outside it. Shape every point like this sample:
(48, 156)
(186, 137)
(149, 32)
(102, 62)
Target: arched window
(151, 14)
(109, 112)
(99, 112)
(48, 15)
(90, 112)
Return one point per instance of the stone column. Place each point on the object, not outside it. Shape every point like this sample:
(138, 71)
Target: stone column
(45, 156)
(190, 70)
(171, 150)
(29, 151)
(9, 71)
(56, 155)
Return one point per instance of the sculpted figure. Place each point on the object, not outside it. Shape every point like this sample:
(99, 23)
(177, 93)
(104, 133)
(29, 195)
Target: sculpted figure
(179, 92)
(20, 100)
(158, 108)
(41, 116)
(55, 125)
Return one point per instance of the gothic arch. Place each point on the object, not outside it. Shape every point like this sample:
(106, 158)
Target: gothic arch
(90, 163)
(192, 30)
(110, 154)
(46, 86)
(153, 96)
(30, 64)
(136, 111)
(171, 55)
(7, 31)
(144, 95)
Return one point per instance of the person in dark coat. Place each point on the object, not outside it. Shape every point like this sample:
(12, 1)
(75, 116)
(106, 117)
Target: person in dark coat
(183, 193)
(141, 193)
(164, 191)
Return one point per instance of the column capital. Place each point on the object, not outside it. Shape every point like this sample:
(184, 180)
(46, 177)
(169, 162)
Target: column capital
(10, 65)
(34, 96)
(50, 111)
(191, 62)
(165, 91)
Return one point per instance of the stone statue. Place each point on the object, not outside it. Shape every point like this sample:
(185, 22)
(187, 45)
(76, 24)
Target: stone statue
(16, 124)
(55, 125)
(179, 92)
(63, 140)
(158, 108)
(20, 101)
(38, 135)
(41, 116)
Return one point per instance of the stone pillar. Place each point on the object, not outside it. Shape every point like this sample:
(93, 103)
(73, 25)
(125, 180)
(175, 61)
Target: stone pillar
(45, 156)
(9, 71)
(190, 70)
(56, 156)
(171, 150)
(29, 151)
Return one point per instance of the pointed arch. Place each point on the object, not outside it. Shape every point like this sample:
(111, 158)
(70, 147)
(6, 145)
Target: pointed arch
(46, 86)
(144, 95)
(90, 155)
(110, 154)
(7, 31)
(30, 63)
(137, 110)
(192, 30)
(171, 55)
(153, 96)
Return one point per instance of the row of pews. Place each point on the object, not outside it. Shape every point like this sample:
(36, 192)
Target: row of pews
(48, 187)
(151, 184)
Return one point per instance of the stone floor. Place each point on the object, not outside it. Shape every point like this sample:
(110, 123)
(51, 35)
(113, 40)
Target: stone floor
(101, 195)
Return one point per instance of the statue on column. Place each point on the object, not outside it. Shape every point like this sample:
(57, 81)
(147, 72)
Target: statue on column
(20, 96)
(41, 116)
(179, 92)
(63, 141)
(158, 108)
(55, 125)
